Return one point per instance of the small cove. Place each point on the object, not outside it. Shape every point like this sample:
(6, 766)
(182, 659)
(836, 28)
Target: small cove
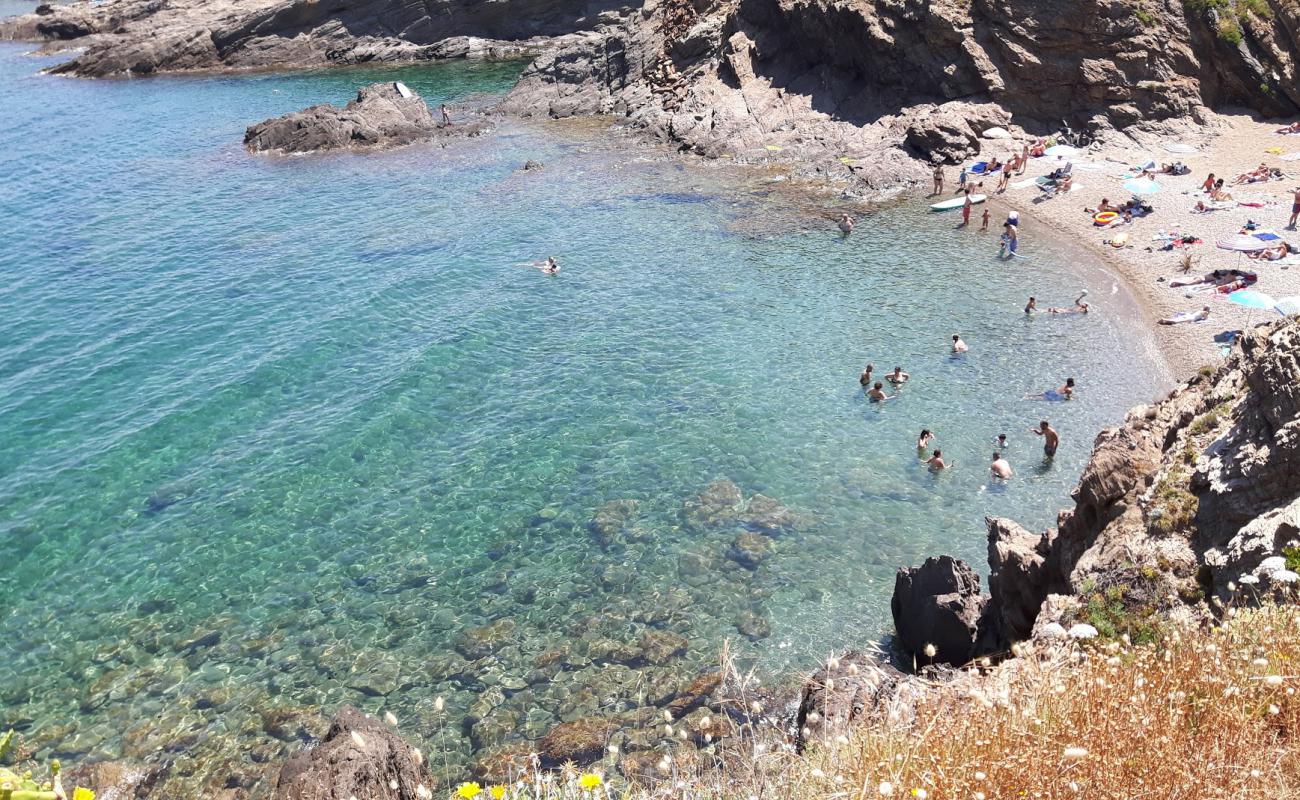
(279, 431)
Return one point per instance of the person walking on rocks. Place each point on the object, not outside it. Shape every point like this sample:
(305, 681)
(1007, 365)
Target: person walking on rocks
(938, 180)
(446, 116)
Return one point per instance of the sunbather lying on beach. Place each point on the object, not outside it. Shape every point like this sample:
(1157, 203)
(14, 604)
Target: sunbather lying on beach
(1272, 254)
(1294, 127)
(1218, 277)
(1187, 316)
(1103, 206)
(1257, 174)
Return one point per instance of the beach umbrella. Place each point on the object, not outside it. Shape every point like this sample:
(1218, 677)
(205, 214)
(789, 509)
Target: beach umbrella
(1180, 148)
(1243, 243)
(1142, 186)
(1061, 150)
(1288, 306)
(1252, 299)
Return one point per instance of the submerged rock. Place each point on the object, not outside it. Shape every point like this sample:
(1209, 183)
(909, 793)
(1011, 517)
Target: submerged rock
(581, 741)
(380, 117)
(487, 639)
(717, 505)
(608, 522)
(750, 549)
(359, 757)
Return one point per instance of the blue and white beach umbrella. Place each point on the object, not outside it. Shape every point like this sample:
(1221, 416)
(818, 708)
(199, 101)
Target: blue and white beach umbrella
(1252, 299)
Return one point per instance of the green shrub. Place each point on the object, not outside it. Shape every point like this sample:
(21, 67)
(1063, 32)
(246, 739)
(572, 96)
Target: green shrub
(1145, 17)
(1292, 556)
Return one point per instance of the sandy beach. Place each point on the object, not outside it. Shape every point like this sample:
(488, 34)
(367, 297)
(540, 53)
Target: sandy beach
(1235, 144)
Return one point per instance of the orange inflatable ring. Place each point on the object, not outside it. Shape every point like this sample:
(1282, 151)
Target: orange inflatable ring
(1105, 218)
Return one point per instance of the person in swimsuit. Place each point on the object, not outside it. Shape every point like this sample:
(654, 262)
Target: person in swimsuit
(923, 441)
(985, 224)
(936, 462)
(1295, 208)
(550, 266)
(446, 115)
(1051, 439)
(898, 377)
(1002, 441)
(1000, 469)
(1010, 239)
(965, 210)
(1064, 392)
(1031, 306)
(877, 393)
(958, 346)
(865, 377)
(1079, 306)
(1199, 316)
(938, 180)
(846, 224)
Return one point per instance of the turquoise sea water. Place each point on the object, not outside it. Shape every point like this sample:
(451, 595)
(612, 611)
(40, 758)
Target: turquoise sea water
(276, 432)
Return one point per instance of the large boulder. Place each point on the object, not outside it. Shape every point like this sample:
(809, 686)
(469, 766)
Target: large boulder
(115, 780)
(1019, 579)
(938, 605)
(380, 117)
(360, 757)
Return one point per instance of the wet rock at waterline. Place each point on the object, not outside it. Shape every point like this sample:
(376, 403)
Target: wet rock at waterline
(359, 757)
(938, 605)
(380, 117)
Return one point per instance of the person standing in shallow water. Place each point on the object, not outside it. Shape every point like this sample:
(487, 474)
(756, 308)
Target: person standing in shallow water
(1051, 439)
(865, 377)
(1000, 469)
(958, 346)
(965, 210)
(877, 393)
(846, 224)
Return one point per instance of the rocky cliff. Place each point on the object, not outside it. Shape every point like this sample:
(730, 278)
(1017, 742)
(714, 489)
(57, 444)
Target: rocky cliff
(140, 37)
(1191, 507)
(832, 80)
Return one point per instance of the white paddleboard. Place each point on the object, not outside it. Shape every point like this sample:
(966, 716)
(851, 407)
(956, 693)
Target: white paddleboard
(403, 90)
(957, 202)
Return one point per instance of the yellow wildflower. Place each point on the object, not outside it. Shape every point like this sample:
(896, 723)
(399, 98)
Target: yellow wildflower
(497, 791)
(468, 791)
(589, 780)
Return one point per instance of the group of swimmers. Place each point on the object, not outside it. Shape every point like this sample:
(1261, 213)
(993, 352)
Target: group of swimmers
(999, 469)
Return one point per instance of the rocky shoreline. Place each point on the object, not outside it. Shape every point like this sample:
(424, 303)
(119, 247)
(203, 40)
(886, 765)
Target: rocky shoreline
(1183, 510)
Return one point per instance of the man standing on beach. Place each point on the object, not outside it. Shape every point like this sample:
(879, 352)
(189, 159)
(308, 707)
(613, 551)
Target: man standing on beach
(1295, 208)
(1051, 439)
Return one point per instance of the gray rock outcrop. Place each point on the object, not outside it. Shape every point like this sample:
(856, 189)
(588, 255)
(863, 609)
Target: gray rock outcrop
(380, 117)
(142, 37)
(359, 757)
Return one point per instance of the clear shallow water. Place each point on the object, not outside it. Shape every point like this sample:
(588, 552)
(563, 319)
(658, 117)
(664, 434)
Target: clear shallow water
(278, 431)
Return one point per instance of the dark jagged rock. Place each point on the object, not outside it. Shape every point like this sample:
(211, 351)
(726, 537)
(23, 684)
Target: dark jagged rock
(359, 757)
(141, 37)
(938, 605)
(380, 117)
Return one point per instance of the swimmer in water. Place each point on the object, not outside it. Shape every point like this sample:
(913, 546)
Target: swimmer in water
(898, 377)
(958, 346)
(846, 224)
(1079, 306)
(877, 393)
(1031, 306)
(1002, 440)
(936, 462)
(923, 441)
(1051, 439)
(1000, 469)
(865, 377)
(1064, 392)
(550, 266)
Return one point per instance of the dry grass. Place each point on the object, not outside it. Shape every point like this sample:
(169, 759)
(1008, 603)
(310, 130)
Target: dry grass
(1202, 714)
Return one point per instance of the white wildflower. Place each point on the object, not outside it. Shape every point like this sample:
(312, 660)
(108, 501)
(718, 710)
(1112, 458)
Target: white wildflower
(1075, 753)
(886, 788)
(390, 718)
(930, 651)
